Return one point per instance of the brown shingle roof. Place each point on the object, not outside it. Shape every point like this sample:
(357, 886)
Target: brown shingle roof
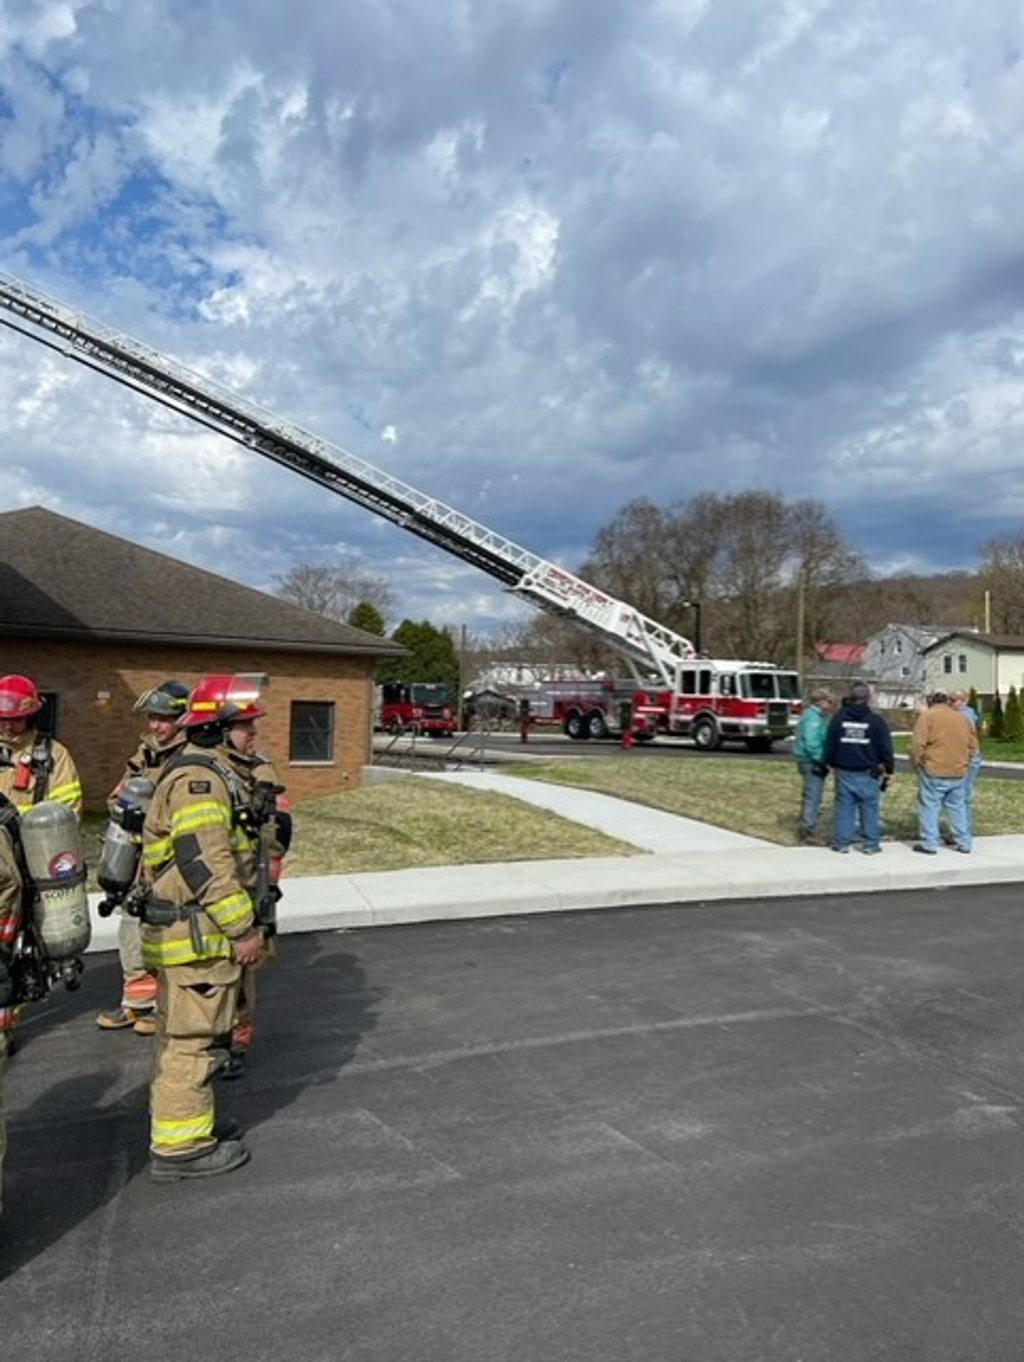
(62, 579)
(1001, 642)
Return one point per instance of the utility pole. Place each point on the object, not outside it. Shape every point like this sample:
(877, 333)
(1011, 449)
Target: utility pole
(800, 604)
(695, 607)
(988, 612)
(461, 703)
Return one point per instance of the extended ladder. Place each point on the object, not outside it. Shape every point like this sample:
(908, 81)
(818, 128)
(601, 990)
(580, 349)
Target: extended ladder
(643, 642)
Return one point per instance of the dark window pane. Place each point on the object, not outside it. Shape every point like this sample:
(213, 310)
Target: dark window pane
(46, 720)
(312, 733)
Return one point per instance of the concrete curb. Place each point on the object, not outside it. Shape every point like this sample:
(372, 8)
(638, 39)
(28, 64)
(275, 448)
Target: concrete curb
(446, 893)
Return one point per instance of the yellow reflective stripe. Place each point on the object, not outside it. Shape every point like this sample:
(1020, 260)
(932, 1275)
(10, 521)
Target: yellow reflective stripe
(157, 852)
(181, 1132)
(230, 909)
(241, 841)
(67, 794)
(205, 815)
(180, 951)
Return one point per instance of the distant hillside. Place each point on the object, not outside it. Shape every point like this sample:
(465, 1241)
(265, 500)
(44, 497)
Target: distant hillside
(949, 598)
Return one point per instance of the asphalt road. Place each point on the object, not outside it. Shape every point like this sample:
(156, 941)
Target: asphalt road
(739, 1133)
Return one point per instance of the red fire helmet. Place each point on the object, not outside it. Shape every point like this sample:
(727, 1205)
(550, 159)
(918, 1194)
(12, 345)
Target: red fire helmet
(18, 697)
(224, 700)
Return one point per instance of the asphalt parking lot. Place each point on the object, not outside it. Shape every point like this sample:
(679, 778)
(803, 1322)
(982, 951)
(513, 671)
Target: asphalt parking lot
(769, 1130)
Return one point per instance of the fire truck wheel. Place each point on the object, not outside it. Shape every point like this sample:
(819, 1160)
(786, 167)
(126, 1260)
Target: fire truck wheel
(596, 726)
(706, 736)
(574, 726)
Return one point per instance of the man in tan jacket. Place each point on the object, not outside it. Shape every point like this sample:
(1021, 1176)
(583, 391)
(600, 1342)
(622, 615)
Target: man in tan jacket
(941, 752)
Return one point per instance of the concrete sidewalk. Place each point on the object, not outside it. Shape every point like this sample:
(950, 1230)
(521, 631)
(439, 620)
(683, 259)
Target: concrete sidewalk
(687, 862)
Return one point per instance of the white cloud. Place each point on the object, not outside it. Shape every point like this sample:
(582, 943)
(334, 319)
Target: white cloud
(572, 254)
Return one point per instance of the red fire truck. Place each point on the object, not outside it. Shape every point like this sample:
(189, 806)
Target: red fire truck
(724, 700)
(417, 707)
(718, 700)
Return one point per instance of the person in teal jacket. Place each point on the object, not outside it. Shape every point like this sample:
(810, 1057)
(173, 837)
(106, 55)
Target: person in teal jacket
(809, 751)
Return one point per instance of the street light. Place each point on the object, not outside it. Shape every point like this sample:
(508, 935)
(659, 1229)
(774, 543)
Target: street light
(695, 607)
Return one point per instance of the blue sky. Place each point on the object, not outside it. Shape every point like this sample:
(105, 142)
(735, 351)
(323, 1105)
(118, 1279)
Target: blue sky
(534, 259)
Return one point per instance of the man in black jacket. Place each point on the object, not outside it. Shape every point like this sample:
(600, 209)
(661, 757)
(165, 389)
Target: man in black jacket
(858, 747)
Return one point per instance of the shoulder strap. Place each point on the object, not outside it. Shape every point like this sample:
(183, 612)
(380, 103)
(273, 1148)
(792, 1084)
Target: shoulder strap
(42, 767)
(183, 759)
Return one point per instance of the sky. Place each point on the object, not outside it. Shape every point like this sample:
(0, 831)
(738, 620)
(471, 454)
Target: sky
(533, 258)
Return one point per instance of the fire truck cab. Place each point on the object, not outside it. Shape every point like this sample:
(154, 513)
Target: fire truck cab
(417, 707)
(725, 699)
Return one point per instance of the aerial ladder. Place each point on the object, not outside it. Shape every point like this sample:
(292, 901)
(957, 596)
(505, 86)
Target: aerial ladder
(645, 645)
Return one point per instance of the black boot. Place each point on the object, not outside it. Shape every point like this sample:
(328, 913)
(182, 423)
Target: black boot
(222, 1158)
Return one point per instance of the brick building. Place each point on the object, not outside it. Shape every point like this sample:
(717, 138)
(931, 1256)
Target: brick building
(95, 620)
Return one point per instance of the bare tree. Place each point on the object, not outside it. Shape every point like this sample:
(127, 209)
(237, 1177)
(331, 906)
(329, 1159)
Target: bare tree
(741, 557)
(1002, 575)
(334, 589)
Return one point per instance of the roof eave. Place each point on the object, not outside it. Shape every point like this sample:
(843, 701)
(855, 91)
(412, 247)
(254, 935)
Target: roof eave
(200, 640)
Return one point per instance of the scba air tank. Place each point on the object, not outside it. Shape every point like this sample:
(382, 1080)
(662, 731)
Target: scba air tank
(53, 856)
(122, 841)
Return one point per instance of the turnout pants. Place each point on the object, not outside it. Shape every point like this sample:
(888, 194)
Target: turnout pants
(138, 989)
(195, 1004)
(3, 1128)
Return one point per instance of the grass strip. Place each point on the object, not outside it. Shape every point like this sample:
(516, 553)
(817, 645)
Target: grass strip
(760, 798)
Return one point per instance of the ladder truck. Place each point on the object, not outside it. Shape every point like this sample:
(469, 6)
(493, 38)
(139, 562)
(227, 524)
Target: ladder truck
(659, 660)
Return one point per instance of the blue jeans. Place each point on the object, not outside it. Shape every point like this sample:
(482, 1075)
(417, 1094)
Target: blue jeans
(857, 791)
(936, 794)
(814, 792)
(969, 781)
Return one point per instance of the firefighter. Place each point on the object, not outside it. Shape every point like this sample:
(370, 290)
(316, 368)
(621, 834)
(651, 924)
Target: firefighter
(260, 780)
(198, 932)
(10, 920)
(33, 767)
(163, 706)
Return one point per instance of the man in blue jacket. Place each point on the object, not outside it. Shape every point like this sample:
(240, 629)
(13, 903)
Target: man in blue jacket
(858, 747)
(809, 751)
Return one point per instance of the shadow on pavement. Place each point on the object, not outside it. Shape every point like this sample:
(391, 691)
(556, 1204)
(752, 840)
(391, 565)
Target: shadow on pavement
(75, 1146)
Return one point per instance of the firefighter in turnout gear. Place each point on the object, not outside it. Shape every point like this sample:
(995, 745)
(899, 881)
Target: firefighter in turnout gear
(33, 767)
(199, 931)
(271, 828)
(163, 705)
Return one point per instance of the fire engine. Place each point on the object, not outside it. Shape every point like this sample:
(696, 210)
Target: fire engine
(719, 700)
(673, 690)
(416, 707)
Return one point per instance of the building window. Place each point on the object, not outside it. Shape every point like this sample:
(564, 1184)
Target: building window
(961, 662)
(947, 664)
(46, 719)
(897, 646)
(312, 731)
(904, 671)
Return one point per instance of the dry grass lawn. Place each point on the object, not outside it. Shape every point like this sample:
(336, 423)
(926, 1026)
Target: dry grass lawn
(760, 798)
(410, 822)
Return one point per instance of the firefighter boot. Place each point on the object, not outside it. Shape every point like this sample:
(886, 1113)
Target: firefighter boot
(224, 1157)
(120, 1018)
(227, 1064)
